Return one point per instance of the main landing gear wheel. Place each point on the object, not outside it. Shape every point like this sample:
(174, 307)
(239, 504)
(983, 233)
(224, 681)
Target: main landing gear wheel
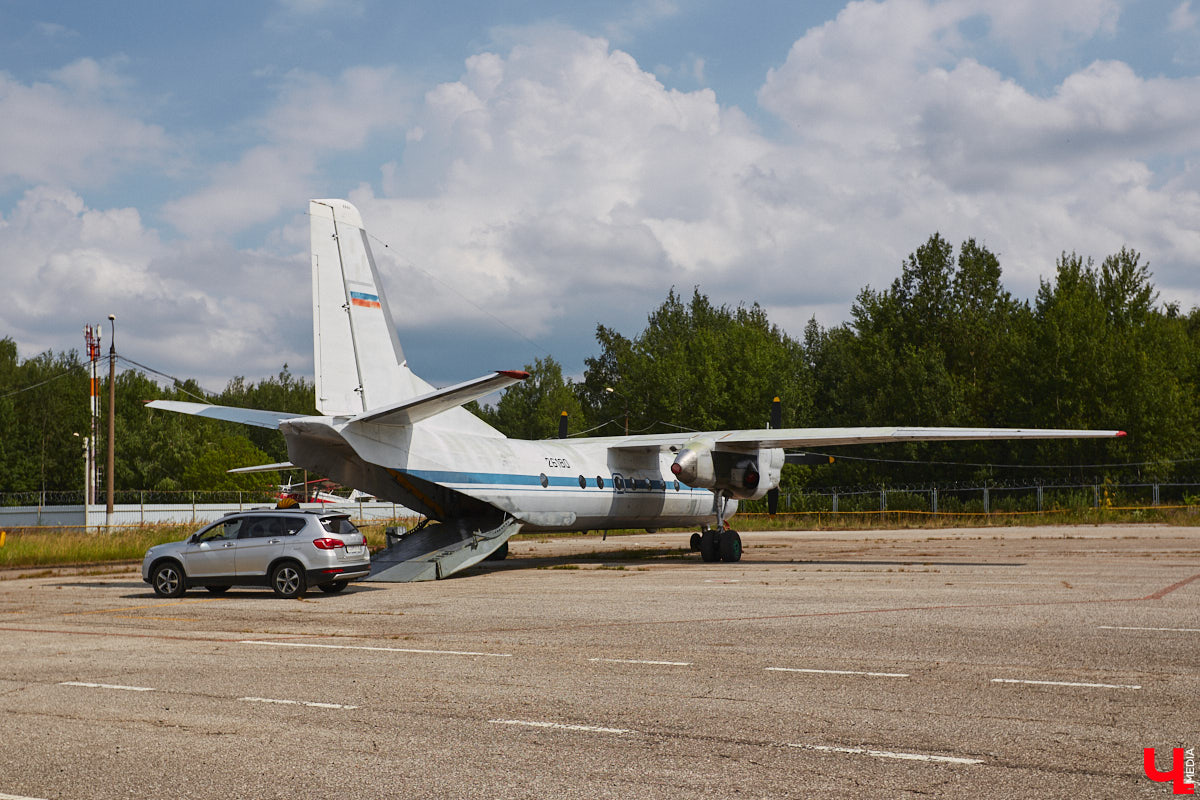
(709, 545)
(730, 546)
(694, 542)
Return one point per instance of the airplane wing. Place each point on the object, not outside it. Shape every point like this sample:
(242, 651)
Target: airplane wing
(246, 416)
(829, 437)
(282, 465)
(427, 405)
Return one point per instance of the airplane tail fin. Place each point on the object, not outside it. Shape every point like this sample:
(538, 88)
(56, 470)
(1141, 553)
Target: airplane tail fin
(359, 364)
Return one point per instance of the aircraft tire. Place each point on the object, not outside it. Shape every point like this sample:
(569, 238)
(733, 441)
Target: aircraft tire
(694, 542)
(730, 546)
(708, 546)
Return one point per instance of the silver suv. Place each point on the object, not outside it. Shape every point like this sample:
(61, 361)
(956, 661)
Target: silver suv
(286, 549)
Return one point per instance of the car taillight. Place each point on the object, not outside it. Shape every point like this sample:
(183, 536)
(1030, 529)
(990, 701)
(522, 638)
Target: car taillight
(327, 543)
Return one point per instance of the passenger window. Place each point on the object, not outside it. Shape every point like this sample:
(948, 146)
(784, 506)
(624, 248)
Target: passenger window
(293, 525)
(223, 530)
(599, 482)
(582, 482)
(543, 480)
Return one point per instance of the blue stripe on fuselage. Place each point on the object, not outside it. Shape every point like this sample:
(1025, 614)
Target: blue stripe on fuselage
(510, 479)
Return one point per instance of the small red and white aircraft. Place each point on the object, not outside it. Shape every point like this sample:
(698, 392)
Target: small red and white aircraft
(387, 432)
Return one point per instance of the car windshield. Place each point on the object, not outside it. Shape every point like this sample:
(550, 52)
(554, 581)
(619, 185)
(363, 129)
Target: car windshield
(338, 525)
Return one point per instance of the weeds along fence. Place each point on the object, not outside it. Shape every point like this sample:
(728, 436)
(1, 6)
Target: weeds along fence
(989, 499)
(32, 510)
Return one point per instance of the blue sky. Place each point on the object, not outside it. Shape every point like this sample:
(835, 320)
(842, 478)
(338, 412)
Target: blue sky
(537, 169)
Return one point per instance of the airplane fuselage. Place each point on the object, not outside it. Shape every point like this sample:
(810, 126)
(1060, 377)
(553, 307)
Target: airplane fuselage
(549, 485)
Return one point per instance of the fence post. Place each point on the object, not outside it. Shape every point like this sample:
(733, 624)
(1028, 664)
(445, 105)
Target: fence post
(1096, 496)
(1039, 496)
(1155, 500)
(933, 498)
(193, 507)
(142, 506)
(835, 503)
(240, 500)
(882, 498)
(987, 504)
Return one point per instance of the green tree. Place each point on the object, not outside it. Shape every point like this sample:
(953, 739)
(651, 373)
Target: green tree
(531, 409)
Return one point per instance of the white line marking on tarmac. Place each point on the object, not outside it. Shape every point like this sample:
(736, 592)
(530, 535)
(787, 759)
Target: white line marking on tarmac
(17, 797)
(379, 649)
(107, 686)
(861, 751)
(1069, 683)
(840, 672)
(1171, 630)
(639, 661)
(296, 703)
(558, 726)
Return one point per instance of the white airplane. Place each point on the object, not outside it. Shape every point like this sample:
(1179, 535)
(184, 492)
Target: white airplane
(387, 432)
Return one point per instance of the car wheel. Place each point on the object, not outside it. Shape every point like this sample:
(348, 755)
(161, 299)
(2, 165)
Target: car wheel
(333, 587)
(218, 589)
(287, 580)
(167, 580)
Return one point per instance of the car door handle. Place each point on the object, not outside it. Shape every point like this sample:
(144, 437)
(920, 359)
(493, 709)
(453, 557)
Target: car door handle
(227, 544)
(275, 541)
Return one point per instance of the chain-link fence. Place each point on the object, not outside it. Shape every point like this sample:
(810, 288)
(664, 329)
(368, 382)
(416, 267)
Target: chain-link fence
(997, 498)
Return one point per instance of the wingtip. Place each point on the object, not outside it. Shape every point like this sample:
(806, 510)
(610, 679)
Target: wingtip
(513, 373)
(1121, 433)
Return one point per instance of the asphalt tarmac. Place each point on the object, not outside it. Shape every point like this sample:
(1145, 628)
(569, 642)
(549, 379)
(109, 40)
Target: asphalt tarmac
(981, 663)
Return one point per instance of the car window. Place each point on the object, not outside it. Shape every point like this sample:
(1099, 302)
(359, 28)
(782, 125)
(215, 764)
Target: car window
(290, 526)
(338, 525)
(225, 529)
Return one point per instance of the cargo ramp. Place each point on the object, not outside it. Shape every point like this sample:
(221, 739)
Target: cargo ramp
(439, 549)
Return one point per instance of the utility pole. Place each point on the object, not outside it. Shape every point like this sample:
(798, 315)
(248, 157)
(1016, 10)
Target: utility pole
(112, 423)
(92, 336)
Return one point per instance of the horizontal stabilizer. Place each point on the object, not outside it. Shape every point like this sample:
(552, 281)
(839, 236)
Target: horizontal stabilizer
(427, 405)
(262, 468)
(246, 416)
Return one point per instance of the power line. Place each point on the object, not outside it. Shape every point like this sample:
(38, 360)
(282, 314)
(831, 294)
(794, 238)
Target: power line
(41, 383)
(178, 383)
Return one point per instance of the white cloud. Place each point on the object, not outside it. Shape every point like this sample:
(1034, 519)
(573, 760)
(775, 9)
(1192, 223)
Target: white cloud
(315, 117)
(76, 130)
(216, 309)
(1182, 19)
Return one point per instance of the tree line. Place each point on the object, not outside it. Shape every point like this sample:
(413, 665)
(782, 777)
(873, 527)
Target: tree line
(944, 344)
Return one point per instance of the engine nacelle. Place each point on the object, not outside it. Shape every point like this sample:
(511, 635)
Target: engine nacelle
(742, 475)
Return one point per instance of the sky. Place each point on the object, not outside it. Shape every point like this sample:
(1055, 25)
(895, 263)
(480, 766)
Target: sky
(529, 170)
